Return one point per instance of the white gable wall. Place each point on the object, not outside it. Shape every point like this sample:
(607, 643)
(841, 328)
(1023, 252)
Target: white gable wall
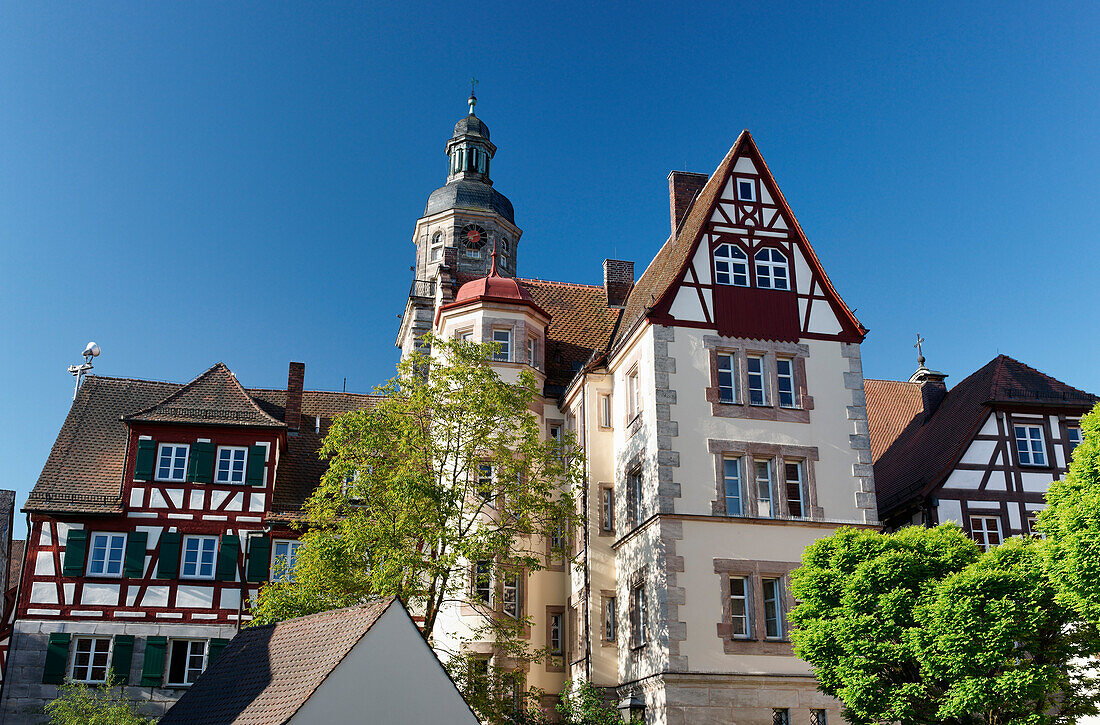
(390, 676)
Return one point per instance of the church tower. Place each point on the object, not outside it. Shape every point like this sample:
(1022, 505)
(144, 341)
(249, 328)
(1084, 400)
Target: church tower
(463, 222)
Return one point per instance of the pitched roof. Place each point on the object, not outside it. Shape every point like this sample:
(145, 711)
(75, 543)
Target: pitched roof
(83, 473)
(924, 452)
(265, 674)
(15, 561)
(891, 405)
(580, 323)
(213, 398)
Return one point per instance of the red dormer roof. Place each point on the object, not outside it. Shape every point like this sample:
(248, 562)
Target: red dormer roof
(492, 288)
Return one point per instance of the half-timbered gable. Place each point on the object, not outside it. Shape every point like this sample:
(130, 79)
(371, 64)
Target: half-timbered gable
(982, 454)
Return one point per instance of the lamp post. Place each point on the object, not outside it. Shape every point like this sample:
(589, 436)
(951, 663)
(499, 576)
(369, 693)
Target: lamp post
(632, 708)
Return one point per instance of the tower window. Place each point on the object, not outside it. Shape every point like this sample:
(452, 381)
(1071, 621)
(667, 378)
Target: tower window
(771, 269)
(731, 265)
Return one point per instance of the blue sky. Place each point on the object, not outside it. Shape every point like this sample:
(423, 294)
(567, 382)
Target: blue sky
(193, 182)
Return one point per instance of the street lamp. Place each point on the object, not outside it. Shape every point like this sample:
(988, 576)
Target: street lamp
(632, 708)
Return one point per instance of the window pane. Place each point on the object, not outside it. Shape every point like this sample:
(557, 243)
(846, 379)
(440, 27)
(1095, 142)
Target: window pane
(726, 390)
(757, 395)
(764, 489)
(773, 623)
(784, 371)
(793, 473)
(732, 475)
(739, 606)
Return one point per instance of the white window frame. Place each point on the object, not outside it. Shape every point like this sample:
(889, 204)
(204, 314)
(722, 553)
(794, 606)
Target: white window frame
(607, 509)
(772, 588)
(510, 593)
(557, 641)
(483, 594)
(785, 376)
(733, 490)
(799, 482)
(744, 598)
(532, 352)
(1074, 437)
(111, 537)
(605, 412)
(174, 457)
(502, 337)
(232, 451)
(731, 266)
(765, 504)
(187, 668)
(727, 364)
(87, 669)
(768, 268)
(638, 615)
(283, 565)
(609, 624)
(466, 335)
(760, 377)
(199, 552)
(738, 181)
(634, 392)
(1036, 444)
(981, 532)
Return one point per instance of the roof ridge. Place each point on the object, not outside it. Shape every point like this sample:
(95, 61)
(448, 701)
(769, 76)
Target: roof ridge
(92, 376)
(327, 392)
(566, 284)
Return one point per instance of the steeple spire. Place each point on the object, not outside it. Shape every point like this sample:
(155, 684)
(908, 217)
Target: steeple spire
(472, 100)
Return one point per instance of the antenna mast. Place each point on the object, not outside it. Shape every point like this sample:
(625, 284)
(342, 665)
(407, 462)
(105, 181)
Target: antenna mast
(79, 371)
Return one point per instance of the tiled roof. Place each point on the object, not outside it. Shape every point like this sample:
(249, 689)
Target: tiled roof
(83, 473)
(213, 398)
(15, 561)
(923, 453)
(891, 405)
(580, 323)
(265, 674)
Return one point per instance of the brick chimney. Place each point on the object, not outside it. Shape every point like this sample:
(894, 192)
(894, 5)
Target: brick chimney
(933, 389)
(618, 279)
(295, 381)
(683, 187)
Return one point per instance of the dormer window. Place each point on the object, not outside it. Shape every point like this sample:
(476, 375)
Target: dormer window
(231, 464)
(731, 265)
(746, 190)
(771, 269)
(172, 461)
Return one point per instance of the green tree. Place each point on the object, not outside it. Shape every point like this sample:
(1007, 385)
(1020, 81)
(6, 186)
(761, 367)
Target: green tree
(448, 469)
(79, 704)
(582, 703)
(1071, 524)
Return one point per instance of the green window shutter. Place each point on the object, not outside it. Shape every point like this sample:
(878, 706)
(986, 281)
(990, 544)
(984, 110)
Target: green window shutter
(200, 467)
(168, 563)
(216, 647)
(227, 558)
(152, 670)
(121, 656)
(136, 543)
(57, 657)
(259, 559)
(76, 546)
(146, 460)
(257, 456)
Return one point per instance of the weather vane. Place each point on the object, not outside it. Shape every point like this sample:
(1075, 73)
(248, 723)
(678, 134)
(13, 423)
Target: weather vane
(472, 100)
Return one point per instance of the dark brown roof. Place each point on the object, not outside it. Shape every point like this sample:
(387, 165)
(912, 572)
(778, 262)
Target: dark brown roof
(265, 674)
(15, 561)
(580, 323)
(213, 398)
(891, 405)
(925, 451)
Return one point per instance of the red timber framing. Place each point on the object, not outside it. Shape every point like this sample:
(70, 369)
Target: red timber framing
(809, 309)
(156, 508)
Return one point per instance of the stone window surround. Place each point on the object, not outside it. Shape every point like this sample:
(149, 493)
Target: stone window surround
(741, 348)
(636, 580)
(555, 561)
(521, 330)
(722, 449)
(636, 463)
(556, 662)
(605, 595)
(755, 572)
(600, 488)
(495, 609)
(631, 420)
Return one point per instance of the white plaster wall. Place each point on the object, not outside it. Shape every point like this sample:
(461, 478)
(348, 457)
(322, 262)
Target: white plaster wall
(390, 676)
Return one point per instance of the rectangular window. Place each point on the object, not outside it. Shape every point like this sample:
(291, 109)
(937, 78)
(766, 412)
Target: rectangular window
(764, 489)
(231, 461)
(795, 489)
(479, 676)
(634, 496)
(510, 593)
(986, 530)
(781, 716)
(557, 537)
(483, 581)
(107, 553)
(1029, 445)
(198, 557)
(609, 619)
(503, 339)
(466, 336)
(784, 374)
(633, 393)
(172, 462)
(186, 661)
(731, 480)
(739, 606)
(473, 253)
(284, 559)
(637, 614)
(605, 411)
(1074, 435)
(727, 381)
(746, 190)
(90, 659)
(758, 394)
(773, 608)
(555, 634)
(485, 481)
(818, 717)
(531, 360)
(435, 253)
(607, 510)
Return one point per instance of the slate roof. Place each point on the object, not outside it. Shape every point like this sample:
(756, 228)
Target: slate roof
(581, 323)
(213, 398)
(83, 473)
(265, 674)
(924, 452)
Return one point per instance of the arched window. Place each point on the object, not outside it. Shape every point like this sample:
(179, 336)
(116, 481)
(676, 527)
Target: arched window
(771, 269)
(437, 247)
(731, 265)
(502, 245)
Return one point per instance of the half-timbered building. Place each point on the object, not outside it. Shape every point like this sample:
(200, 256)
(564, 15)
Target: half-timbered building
(981, 454)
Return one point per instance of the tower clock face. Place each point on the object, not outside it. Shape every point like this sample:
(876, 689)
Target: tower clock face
(474, 237)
